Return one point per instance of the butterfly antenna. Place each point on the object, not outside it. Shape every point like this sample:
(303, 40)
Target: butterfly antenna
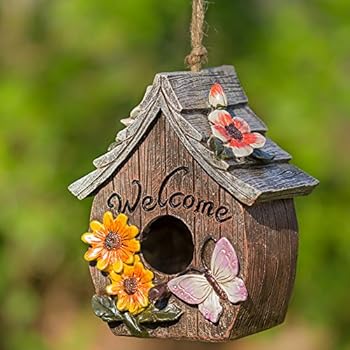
(204, 245)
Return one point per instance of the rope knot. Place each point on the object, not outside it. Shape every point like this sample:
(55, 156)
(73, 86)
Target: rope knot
(197, 57)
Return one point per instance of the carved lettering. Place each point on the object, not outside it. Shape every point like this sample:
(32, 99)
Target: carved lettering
(220, 214)
(173, 200)
(148, 203)
(188, 201)
(202, 205)
(131, 207)
(165, 182)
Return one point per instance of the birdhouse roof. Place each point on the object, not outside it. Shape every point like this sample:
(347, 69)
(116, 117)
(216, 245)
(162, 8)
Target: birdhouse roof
(182, 97)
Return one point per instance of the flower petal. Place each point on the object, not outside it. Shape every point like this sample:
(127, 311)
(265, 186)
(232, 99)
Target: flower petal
(128, 271)
(138, 269)
(222, 118)
(104, 261)
(117, 265)
(240, 149)
(93, 253)
(90, 238)
(108, 221)
(241, 125)
(220, 132)
(147, 276)
(126, 256)
(120, 222)
(112, 289)
(132, 231)
(255, 140)
(134, 307)
(133, 245)
(123, 302)
(115, 277)
(145, 287)
(141, 298)
(96, 226)
(217, 96)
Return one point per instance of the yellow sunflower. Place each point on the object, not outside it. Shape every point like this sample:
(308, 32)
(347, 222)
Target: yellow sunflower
(131, 287)
(111, 242)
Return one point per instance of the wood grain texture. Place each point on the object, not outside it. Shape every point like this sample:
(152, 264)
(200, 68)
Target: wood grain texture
(152, 171)
(235, 232)
(130, 133)
(93, 181)
(151, 95)
(264, 237)
(177, 156)
(209, 190)
(123, 186)
(190, 90)
(174, 94)
(275, 181)
(272, 242)
(199, 120)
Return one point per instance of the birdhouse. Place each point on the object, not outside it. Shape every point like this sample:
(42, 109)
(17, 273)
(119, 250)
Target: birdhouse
(193, 232)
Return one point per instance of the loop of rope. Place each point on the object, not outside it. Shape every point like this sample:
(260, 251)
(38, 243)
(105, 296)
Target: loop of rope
(199, 54)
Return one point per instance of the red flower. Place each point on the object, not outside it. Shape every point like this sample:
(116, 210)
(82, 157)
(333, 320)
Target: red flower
(235, 133)
(217, 97)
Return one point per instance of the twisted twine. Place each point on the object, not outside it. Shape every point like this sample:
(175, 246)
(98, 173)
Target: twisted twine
(199, 54)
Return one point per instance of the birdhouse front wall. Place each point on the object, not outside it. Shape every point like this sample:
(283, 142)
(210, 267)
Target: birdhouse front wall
(161, 178)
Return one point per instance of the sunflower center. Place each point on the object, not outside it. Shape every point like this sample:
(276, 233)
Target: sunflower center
(112, 241)
(234, 132)
(130, 285)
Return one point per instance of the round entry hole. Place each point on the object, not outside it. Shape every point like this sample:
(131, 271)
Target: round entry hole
(167, 245)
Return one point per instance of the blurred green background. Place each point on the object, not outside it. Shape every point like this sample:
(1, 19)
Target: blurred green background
(70, 69)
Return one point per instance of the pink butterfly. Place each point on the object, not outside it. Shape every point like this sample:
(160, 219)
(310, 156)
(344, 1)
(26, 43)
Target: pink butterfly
(220, 282)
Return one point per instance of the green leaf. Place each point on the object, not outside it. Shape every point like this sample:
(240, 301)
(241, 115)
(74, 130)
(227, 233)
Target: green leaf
(262, 156)
(105, 308)
(227, 153)
(133, 326)
(216, 145)
(153, 315)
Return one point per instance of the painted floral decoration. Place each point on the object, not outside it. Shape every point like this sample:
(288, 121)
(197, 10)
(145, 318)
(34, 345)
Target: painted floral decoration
(231, 136)
(235, 133)
(131, 287)
(112, 242)
(217, 96)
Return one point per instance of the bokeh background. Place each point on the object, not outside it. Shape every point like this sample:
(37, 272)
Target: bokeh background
(71, 69)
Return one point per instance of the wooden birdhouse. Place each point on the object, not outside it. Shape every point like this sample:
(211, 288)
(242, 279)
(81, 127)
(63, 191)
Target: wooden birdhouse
(193, 231)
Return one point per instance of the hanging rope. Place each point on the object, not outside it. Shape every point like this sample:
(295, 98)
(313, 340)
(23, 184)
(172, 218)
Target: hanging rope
(199, 54)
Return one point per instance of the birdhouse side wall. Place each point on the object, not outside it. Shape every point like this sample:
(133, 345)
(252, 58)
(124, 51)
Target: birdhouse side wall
(271, 233)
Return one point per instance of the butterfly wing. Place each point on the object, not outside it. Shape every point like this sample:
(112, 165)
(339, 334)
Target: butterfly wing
(196, 290)
(192, 289)
(224, 262)
(211, 308)
(224, 266)
(235, 290)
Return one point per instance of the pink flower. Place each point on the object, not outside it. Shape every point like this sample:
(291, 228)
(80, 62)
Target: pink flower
(217, 97)
(235, 133)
